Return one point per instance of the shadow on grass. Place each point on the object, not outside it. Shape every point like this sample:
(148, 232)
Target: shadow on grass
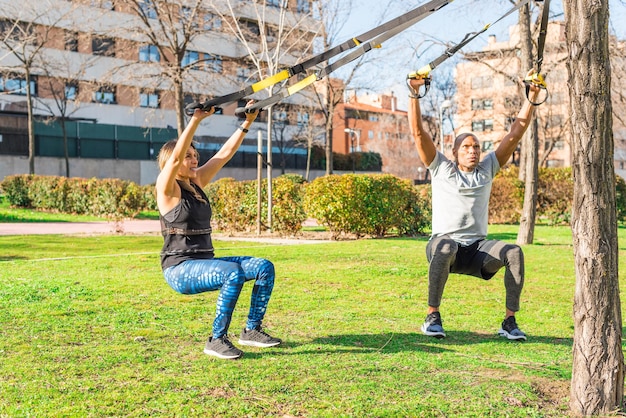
(399, 343)
(391, 342)
(11, 258)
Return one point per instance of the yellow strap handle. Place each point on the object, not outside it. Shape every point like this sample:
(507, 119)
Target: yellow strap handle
(270, 81)
(423, 72)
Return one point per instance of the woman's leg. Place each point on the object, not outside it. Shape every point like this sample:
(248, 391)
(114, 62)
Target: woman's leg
(262, 272)
(197, 276)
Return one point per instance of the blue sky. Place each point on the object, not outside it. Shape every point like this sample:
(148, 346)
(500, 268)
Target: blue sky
(425, 40)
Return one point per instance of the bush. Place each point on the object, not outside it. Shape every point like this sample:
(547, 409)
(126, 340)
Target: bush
(234, 204)
(365, 204)
(507, 197)
(111, 198)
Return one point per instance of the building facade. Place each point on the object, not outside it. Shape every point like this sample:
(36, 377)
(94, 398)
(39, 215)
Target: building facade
(108, 78)
(373, 123)
(489, 96)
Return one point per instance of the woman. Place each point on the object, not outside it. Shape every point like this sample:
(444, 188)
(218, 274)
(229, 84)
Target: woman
(187, 258)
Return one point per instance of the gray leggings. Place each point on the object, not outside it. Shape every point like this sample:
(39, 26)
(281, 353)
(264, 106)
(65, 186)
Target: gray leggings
(482, 259)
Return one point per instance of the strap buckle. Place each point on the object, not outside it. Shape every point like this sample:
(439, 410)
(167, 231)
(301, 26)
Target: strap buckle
(538, 80)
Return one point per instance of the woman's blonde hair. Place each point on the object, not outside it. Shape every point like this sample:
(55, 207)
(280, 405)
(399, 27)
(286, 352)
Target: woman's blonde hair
(165, 153)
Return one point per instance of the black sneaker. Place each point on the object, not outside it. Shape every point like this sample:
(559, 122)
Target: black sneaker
(222, 348)
(510, 330)
(257, 338)
(432, 326)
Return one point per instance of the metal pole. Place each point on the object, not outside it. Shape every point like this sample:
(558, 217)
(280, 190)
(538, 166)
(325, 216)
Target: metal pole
(259, 180)
(269, 167)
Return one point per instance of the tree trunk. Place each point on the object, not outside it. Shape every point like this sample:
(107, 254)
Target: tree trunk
(330, 111)
(598, 362)
(530, 151)
(31, 124)
(180, 102)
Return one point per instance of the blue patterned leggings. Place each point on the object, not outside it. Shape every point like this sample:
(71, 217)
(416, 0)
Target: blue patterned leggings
(227, 274)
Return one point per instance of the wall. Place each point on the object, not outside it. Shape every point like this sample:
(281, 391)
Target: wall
(140, 172)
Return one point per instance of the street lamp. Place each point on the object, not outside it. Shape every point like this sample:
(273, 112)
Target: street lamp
(446, 104)
(354, 133)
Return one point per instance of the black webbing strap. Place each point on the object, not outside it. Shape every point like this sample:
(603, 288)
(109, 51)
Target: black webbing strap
(424, 72)
(386, 30)
(400, 24)
(537, 78)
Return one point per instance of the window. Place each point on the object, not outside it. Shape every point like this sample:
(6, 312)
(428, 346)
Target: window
(481, 82)
(370, 134)
(250, 27)
(103, 4)
(17, 85)
(486, 146)
(149, 53)
(149, 100)
(275, 3)
(214, 63)
(280, 116)
(372, 117)
(303, 119)
(148, 9)
(482, 125)
(71, 91)
(212, 22)
(189, 16)
(190, 59)
(71, 41)
(303, 6)
(104, 96)
(103, 47)
(487, 104)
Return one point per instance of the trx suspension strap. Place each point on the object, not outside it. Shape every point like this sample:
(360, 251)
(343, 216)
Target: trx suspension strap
(537, 78)
(424, 72)
(391, 27)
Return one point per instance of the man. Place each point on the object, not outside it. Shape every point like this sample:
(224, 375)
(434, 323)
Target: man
(460, 201)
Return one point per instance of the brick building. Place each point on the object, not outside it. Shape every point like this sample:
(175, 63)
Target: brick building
(488, 98)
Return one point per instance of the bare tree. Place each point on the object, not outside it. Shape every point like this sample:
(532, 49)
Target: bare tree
(60, 88)
(23, 38)
(333, 15)
(598, 361)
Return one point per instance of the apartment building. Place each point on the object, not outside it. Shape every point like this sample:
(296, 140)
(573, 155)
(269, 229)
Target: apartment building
(116, 73)
(488, 97)
(373, 123)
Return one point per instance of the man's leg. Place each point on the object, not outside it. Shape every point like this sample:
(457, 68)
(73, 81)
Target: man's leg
(500, 254)
(441, 253)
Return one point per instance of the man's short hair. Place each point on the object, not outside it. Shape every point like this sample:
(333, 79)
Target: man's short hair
(460, 138)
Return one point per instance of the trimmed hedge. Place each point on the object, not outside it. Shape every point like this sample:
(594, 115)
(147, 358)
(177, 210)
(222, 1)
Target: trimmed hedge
(112, 198)
(368, 204)
(234, 204)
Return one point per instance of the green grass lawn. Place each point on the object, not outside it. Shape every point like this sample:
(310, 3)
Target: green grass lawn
(90, 328)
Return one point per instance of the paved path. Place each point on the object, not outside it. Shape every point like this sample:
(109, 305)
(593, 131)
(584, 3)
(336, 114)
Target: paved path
(127, 227)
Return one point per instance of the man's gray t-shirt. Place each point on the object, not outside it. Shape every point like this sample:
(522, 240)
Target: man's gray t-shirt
(460, 200)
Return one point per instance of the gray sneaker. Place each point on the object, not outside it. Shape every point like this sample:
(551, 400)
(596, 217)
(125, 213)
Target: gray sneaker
(432, 326)
(510, 330)
(222, 348)
(257, 338)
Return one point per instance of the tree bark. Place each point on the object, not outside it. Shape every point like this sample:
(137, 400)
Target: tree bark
(598, 362)
(530, 152)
